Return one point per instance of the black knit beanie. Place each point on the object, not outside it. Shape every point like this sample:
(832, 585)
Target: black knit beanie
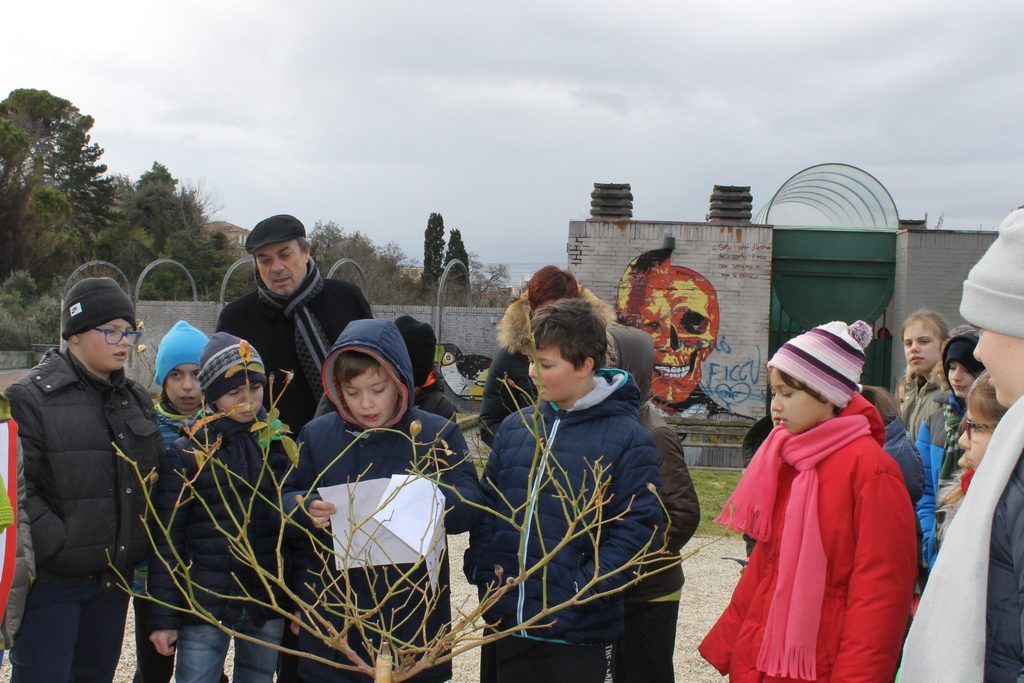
(94, 301)
(961, 349)
(421, 343)
(220, 354)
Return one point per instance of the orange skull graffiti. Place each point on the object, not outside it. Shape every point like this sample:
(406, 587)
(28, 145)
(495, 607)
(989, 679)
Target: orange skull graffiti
(678, 307)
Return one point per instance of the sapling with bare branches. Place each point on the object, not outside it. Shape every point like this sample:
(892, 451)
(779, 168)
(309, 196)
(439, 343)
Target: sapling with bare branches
(369, 594)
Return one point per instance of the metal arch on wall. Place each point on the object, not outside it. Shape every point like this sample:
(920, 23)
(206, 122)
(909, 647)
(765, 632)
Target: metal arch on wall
(440, 293)
(227, 276)
(347, 261)
(90, 264)
(160, 262)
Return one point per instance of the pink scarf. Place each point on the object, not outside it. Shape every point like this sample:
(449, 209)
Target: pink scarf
(791, 633)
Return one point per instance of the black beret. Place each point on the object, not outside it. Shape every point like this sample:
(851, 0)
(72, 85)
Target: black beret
(279, 228)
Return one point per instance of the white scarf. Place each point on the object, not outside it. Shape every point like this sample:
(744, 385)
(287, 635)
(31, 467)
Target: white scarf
(947, 639)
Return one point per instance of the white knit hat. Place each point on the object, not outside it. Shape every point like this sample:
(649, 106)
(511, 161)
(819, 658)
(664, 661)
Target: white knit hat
(994, 289)
(827, 359)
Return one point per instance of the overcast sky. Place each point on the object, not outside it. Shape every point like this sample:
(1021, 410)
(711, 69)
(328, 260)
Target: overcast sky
(502, 116)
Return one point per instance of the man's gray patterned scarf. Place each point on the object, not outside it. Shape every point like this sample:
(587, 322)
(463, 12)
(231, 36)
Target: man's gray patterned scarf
(310, 340)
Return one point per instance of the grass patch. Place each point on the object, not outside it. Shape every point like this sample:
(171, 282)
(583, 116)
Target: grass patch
(713, 489)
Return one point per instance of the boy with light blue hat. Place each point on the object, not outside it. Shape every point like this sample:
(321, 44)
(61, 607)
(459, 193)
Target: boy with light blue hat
(177, 374)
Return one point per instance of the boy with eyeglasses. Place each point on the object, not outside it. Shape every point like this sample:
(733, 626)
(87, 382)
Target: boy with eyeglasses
(85, 502)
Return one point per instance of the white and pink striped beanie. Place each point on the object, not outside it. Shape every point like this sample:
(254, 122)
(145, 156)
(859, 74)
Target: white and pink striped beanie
(827, 359)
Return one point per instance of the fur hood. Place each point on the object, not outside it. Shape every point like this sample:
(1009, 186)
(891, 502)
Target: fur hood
(514, 333)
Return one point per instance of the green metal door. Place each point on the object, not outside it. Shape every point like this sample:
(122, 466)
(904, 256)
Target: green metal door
(824, 275)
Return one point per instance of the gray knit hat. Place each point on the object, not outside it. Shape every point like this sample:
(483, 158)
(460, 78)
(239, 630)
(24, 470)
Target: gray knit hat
(994, 289)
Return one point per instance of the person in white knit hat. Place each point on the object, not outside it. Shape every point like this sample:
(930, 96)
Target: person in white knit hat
(976, 590)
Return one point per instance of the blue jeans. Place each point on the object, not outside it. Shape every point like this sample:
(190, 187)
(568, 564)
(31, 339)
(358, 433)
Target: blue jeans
(69, 633)
(202, 650)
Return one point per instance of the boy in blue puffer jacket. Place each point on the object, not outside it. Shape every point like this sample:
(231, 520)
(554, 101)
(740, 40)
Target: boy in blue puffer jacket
(368, 379)
(587, 417)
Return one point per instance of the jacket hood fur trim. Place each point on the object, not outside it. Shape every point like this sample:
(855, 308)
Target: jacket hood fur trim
(514, 333)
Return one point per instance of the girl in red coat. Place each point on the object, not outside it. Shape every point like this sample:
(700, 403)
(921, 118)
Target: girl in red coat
(826, 596)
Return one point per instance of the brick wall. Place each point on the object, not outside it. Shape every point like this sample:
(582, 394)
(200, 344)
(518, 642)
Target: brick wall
(931, 266)
(737, 263)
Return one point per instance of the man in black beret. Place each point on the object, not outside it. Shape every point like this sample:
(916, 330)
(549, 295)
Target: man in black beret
(292, 319)
(294, 315)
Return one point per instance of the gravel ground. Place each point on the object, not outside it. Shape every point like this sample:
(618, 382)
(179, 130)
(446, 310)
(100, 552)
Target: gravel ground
(709, 583)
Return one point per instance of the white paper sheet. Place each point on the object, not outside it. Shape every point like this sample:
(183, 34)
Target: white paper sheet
(387, 521)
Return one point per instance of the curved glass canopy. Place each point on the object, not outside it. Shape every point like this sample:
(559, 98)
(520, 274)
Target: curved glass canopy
(831, 197)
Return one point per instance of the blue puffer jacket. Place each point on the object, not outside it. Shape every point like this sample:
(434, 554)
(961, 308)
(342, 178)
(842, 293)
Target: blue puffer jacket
(931, 440)
(200, 531)
(901, 448)
(603, 427)
(379, 455)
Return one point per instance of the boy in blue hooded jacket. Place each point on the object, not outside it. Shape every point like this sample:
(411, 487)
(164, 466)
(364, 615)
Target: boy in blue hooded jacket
(368, 379)
(588, 421)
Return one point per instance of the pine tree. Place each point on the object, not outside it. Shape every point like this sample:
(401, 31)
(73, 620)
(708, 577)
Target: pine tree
(433, 249)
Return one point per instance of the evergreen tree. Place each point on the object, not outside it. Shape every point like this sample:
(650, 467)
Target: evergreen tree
(54, 194)
(456, 250)
(433, 249)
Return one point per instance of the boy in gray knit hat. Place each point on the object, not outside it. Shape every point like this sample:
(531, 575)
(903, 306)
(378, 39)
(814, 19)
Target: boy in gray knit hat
(975, 596)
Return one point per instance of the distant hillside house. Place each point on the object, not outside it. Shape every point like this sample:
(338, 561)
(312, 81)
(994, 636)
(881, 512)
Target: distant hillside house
(411, 271)
(234, 234)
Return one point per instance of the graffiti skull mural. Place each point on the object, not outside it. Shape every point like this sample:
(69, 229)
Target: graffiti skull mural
(678, 307)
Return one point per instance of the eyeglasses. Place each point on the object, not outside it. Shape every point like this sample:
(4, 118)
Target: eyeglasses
(971, 426)
(112, 336)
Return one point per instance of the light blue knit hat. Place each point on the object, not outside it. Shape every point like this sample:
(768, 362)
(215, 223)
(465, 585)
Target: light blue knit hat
(182, 344)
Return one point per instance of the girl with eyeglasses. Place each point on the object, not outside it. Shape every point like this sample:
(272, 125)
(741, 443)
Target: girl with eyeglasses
(983, 414)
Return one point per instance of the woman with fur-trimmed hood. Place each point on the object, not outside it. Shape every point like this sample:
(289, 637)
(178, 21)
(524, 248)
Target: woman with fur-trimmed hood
(508, 385)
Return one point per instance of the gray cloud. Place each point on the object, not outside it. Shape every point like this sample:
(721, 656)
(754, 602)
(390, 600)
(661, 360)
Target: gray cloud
(502, 116)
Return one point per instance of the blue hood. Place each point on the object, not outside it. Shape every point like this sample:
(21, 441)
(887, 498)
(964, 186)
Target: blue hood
(381, 340)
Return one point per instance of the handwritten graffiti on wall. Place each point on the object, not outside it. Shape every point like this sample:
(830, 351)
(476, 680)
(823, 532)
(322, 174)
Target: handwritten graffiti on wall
(679, 308)
(732, 383)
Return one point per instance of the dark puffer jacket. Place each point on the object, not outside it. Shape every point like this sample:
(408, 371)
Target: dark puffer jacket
(273, 335)
(379, 455)
(85, 502)
(1004, 658)
(602, 427)
(901, 448)
(199, 531)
